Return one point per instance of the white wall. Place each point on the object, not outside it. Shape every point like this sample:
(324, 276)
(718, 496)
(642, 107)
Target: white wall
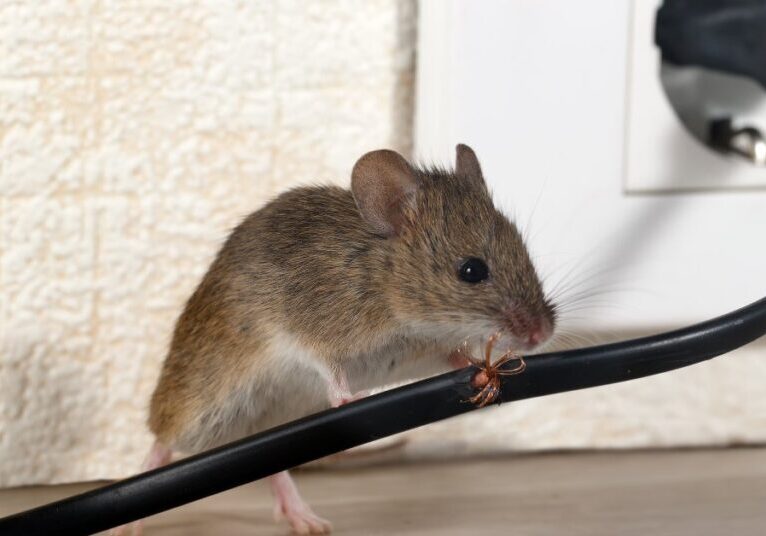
(539, 89)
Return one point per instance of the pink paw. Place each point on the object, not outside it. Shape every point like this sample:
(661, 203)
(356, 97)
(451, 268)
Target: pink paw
(302, 519)
(338, 399)
(458, 360)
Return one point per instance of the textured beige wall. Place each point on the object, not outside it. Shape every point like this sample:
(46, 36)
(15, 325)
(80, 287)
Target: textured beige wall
(133, 134)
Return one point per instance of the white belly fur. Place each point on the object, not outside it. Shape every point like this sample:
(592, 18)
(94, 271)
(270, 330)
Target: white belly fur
(286, 382)
(289, 381)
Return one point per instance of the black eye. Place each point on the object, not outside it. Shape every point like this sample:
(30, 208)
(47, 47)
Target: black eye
(473, 270)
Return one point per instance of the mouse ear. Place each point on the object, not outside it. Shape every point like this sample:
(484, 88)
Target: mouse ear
(383, 183)
(467, 165)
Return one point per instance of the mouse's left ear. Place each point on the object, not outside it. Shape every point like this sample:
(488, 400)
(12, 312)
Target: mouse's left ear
(467, 165)
(384, 186)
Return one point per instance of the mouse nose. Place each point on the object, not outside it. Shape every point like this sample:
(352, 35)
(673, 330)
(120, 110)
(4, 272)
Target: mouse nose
(538, 332)
(529, 329)
(536, 336)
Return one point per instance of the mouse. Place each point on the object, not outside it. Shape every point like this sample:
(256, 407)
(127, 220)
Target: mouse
(327, 292)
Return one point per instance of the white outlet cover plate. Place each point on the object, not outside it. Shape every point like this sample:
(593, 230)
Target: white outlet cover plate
(660, 154)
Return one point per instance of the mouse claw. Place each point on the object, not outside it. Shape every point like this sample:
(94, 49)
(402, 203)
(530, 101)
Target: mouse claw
(301, 518)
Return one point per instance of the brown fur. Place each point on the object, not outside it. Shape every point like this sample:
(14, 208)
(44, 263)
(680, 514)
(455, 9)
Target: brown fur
(344, 287)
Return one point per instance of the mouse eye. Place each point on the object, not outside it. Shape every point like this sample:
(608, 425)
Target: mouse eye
(473, 270)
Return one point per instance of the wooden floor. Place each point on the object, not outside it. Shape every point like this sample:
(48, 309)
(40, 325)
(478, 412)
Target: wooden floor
(716, 492)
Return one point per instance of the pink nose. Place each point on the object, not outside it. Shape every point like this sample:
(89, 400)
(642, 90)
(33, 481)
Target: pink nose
(538, 333)
(529, 329)
(537, 336)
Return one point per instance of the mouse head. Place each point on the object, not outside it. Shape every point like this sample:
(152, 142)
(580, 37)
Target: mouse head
(456, 267)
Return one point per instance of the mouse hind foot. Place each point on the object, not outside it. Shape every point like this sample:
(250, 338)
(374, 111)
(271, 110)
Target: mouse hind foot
(289, 505)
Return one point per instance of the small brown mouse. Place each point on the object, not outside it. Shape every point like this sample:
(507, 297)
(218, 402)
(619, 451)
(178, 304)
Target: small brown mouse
(325, 292)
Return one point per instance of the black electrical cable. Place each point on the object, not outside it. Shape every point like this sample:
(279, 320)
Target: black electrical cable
(379, 416)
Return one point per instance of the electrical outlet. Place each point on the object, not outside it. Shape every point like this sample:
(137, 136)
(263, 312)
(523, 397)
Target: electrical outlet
(665, 152)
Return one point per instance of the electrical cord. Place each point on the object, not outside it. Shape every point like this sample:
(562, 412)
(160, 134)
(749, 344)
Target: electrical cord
(378, 416)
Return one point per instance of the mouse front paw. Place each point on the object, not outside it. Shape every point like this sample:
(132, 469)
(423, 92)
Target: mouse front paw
(339, 393)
